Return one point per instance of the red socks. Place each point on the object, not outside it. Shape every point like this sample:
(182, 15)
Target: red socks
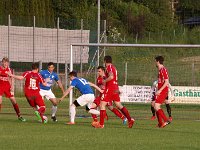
(94, 117)
(41, 110)
(16, 107)
(118, 113)
(102, 116)
(126, 113)
(161, 115)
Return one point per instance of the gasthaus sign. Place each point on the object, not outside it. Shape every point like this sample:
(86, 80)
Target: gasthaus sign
(138, 93)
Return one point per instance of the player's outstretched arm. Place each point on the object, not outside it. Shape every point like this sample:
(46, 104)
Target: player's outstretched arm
(96, 87)
(15, 76)
(66, 93)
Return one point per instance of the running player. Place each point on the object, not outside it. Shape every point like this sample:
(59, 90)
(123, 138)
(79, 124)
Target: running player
(86, 98)
(170, 94)
(162, 92)
(45, 91)
(32, 88)
(111, 93)
(101, 77)
(7, 87)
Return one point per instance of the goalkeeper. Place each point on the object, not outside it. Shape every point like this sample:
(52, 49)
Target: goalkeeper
(169, 98)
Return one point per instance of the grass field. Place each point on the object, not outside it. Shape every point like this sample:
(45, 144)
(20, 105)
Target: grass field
(182, 133)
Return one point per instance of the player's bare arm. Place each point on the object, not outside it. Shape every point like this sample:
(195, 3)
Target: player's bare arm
(164, 85)
(44, 83)
(15, 76)
(66, 93)
(96, 87)
(110, 77)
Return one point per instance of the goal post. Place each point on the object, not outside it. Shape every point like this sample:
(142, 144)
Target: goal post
(144, 46)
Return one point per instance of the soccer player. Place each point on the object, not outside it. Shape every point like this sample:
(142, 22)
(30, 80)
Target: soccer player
(7, 87)
(32, 88)
(162, 92)
(101, 77)
(111, 93)
(45, 91)
(170, 94)
(86, 98)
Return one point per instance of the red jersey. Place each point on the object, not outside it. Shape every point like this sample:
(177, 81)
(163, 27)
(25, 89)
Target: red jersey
(162, 75)
(4, 78)
(33, 80)
(112, 84)
(100, 83)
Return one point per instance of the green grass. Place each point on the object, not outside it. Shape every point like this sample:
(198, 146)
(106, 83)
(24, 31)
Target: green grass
(182, 133)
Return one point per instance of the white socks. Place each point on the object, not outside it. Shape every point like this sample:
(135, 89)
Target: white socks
(72, 113)
(54, 110)
(94, 111)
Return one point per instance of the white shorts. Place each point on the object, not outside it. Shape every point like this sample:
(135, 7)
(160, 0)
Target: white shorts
(86, 99)
(48, 94)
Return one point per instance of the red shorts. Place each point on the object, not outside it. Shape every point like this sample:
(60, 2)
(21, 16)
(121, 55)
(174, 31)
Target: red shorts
(5, 89)
(98, 100)
(111, 95)
(34, 98)
(161, 98)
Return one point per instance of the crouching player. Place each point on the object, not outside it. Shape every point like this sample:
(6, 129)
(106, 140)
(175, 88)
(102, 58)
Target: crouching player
(111, 93)
(170, 95)
(32, 88)
(100, 83)
(86, 98)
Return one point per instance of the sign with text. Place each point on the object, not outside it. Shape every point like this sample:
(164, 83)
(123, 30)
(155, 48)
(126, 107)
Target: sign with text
(135, 93)
(138, 93)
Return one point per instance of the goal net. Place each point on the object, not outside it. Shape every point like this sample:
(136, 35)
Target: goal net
(137, 72)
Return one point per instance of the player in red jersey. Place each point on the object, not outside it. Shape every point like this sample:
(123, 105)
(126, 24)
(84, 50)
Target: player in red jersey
(111, 93)
(7, 87)
(162, 92)
(100, 83)
(32, 88)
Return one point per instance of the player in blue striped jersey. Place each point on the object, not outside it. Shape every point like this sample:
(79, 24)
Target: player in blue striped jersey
(86, 98)
(45, 91)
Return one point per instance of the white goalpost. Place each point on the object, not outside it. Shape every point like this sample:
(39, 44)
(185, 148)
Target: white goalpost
(123, 45)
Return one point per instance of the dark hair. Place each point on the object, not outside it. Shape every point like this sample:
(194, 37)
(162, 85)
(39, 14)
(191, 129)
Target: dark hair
(35, 66)
(73, 73)
(50, 63)
(101, 67)
(5, 59)
(108, 59)
(159, 59)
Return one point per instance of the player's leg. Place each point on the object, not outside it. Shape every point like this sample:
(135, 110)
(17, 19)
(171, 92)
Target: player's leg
(73, 112)
(126, 113)
(93, 106)
(159, 112)
(92, 103)
(1, 94)
(48, 94)
(117, 113)
(0, 102)
(168, 109)
(41, 106)
(153, 110)
(53, 109)
(15, 105)
(31, 101)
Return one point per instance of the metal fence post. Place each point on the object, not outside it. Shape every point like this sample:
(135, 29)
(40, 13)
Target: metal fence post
(33, 38)
(58, 22)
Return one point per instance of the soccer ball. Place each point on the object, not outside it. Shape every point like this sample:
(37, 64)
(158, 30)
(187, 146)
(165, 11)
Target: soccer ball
(45, 119)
